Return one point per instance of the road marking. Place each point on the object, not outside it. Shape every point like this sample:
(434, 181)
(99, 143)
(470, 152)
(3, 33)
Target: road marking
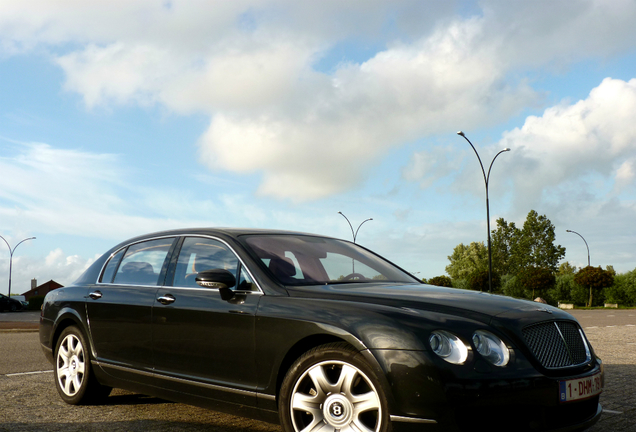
(611, 326)
(28, 373)
(591, 327)
(612, 412)
(630, 325)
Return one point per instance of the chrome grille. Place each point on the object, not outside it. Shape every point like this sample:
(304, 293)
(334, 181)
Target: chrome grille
(557, 344)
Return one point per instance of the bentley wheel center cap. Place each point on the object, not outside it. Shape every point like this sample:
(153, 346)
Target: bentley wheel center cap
(338, 411)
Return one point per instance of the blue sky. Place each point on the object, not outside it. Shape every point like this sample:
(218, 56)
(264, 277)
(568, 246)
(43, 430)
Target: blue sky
(151, 115)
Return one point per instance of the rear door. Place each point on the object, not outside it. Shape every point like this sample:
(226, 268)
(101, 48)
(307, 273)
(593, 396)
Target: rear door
(204, 345)
(120, 308)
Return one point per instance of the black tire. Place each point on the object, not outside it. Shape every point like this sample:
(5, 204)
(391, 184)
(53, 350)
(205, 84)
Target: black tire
(332, 385)
(74, 379)
(14, 308)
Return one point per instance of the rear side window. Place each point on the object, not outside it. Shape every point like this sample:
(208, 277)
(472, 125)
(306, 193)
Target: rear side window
(143, 262)
(111, 267)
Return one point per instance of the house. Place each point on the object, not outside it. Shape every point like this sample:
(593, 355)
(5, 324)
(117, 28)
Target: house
(41, 290)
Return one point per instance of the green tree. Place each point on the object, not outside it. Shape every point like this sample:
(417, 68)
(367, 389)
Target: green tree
(443, 281)
(504, 242)
(595, 278)
(467, 259)
(478, 280)
(532, 246)
(566, 269)
(536, 279)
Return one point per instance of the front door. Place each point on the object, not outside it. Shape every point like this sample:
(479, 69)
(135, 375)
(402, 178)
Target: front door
(204, 345)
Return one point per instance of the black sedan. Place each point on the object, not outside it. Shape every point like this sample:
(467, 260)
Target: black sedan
(316, 333)
(7, 303)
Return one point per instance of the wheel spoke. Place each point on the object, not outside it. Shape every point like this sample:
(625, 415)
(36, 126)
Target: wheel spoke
(346, 379)
(321, 382)
(310, 404)
(358, 426)
(365, 402)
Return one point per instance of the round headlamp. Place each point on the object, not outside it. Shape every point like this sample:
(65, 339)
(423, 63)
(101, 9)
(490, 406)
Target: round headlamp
(448, 346)
(491, 347)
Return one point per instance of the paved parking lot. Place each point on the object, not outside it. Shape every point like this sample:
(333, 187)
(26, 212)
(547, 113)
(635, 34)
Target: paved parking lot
(29, 402)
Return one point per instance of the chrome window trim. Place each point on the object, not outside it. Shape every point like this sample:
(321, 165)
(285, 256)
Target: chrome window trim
(101, 272)
(238, 257)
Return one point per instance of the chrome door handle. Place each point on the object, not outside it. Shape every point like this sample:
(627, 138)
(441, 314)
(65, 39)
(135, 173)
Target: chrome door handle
(166, 299)
(95, 295)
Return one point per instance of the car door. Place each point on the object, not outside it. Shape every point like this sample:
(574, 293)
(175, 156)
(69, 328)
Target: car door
(119, 308)
(204, 345)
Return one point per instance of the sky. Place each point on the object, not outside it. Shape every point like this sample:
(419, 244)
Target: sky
(124, 117)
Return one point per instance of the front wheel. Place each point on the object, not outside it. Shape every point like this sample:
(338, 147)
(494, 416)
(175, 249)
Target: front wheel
(73, 376)
(332, 388)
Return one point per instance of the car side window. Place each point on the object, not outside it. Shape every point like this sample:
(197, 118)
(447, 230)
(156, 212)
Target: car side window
(142, 263)
(111, 267)
(198, 254)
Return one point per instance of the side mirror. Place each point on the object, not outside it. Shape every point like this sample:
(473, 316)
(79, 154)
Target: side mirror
(216, 278)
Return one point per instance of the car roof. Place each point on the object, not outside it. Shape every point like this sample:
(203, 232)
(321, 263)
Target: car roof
(229, 232)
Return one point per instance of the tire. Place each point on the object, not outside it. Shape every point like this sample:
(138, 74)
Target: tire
(332, 388)
(74, 379)
(14, 308)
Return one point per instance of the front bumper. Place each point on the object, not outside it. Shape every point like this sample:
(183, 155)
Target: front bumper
(429, 395)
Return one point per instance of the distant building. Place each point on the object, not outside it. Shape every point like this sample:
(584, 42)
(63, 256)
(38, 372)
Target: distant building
(41, 290)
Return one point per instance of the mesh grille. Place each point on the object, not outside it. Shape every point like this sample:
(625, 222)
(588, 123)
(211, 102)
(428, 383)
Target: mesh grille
(556, 344)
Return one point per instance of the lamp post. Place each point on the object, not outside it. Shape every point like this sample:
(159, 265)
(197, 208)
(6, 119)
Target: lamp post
(354, 234)
(11, 257)
(588, 248)
(486, 180)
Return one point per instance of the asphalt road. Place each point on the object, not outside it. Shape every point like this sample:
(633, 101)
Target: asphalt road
(29, 401)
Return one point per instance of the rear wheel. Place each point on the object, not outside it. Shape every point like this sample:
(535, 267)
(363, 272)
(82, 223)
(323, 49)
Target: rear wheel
(331, 388)
(73, 375)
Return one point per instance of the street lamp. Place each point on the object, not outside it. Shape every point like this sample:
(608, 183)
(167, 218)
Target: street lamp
(11, 257)
(588, 248)
(486, 180)
(355, 235)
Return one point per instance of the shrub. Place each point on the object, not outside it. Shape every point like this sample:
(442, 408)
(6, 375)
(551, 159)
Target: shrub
(513, 288)
(443, 281)
(478, 281)
(35, 302)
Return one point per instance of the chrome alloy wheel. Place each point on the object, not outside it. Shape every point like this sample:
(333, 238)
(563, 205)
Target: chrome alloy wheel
(335, 396)
(71, 365)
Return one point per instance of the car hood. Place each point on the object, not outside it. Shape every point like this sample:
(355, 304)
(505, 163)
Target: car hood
(471, 304)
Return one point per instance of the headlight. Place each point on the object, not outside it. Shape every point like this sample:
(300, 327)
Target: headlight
(491, 348)
(448, 346)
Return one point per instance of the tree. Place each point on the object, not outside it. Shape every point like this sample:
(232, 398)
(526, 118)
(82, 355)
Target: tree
(515, 249)
(478, 280)
(504, 241)
(595, 278)
(466, 259)
(443, 281)
(536, 247)
(536, 279)
(566, 269)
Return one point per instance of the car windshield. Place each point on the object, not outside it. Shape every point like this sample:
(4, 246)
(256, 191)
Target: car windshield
(307, 260)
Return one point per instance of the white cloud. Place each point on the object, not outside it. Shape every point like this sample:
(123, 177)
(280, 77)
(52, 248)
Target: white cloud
(249, 65)
(568, 143)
